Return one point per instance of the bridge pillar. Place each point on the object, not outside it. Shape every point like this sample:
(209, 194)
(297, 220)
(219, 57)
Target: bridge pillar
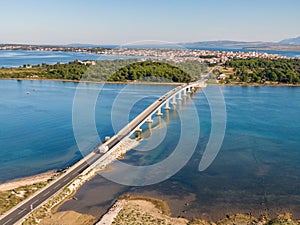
(174, 100)
(189, 90)
(179, 96)
(159, 113)
(167, 107)
(167, 118)
(184, 92)
(174, 103)
(184, 99)
(159, 121)
(149, 120)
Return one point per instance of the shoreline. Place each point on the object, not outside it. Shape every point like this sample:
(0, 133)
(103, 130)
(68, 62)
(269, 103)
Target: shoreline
(155, 83)
(132, 208)
(114, 210)
(33, 179)
(257, 85)
(94, 82)
(25, 181)
(295, 48)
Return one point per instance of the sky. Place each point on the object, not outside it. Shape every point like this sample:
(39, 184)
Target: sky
(126, 21)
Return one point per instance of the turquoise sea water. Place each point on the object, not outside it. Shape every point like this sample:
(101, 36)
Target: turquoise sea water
(256, 171)
(36, 129)
(257, 168)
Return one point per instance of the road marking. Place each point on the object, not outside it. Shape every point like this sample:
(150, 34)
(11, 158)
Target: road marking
(46, 193)
(56, 186)
(35, 201)
(7, 221)
(21, 211)
(66, 179)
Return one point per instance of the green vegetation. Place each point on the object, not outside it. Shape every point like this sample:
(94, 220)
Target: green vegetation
(110, 70)
(11, 198)
(262, 71)
(151, 71)
(70, 71)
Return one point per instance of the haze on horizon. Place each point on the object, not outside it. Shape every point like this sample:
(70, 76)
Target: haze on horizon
(120, 22)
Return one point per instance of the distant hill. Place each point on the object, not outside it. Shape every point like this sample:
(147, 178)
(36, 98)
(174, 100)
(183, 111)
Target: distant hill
(79, 45)
(291, 41)
(242, 44)
(226, 44)
(221, 44)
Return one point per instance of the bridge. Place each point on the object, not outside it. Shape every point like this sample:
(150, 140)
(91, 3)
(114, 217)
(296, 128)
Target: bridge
(155, 109)
(18, 213)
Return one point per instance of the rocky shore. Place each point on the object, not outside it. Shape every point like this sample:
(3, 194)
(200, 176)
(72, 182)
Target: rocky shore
(145, 210)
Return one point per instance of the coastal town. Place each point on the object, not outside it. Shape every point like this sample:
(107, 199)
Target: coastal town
(171, 54)
(181, 55)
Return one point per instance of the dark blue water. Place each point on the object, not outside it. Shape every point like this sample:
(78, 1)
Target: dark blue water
(257, 169)
(36, 132)
(16, 58)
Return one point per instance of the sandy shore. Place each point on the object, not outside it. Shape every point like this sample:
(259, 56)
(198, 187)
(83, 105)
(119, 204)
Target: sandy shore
(68, 217)
(113, 212)
(26, 181)
(138, 211)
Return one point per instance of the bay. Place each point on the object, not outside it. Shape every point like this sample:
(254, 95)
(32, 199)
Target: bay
(16, 58)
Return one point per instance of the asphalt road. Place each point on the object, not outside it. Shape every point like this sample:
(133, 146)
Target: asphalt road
(27, 206)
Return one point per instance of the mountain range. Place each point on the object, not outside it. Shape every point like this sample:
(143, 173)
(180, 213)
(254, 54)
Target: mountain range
(286, 44)
(291, 42)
